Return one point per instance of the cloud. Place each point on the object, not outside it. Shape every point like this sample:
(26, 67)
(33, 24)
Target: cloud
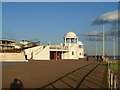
(93, 33)
(99, 38)
(98, 35)
(94, 38)
(110, 17)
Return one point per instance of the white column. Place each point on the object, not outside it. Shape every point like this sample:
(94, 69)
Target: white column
(74, 40)
(65, 41)
(69, 40)
(77, 40)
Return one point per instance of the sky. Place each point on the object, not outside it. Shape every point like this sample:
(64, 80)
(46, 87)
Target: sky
(50, 21)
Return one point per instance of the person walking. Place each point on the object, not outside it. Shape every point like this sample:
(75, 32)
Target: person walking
(97, 57)
(87, 58)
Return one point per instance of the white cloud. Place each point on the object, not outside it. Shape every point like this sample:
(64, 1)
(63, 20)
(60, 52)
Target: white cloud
(98, 35)
(110, 17)
(93, 33)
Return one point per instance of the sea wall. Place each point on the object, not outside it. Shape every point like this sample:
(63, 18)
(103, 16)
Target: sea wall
(12, 57)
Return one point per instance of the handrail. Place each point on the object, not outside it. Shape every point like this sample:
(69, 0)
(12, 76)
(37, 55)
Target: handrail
(112, 80)
(41, 48)
(115, 77)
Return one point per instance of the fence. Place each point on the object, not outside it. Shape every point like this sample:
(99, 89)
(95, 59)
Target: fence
(112, 80)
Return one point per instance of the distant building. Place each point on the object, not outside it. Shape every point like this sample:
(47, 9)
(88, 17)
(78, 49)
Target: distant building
(27, 44)
(11, 52)
(72, 49)
(6, 44)
(17, 46)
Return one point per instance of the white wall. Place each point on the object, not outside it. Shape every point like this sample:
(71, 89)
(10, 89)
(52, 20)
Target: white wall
(38, 53)
(29, 51)
(81, 50)
(44, 54)
(66, 55)
(12, 57)
(74, 48)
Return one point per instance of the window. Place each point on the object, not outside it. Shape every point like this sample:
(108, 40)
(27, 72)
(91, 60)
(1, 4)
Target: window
(80, 46)
(72, 40)
(80, 54)
(68, 40)
(72, 52)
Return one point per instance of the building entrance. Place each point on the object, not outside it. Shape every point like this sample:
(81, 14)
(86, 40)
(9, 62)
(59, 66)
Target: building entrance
(55, 55)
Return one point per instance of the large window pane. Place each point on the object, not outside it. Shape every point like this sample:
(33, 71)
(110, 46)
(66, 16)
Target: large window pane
(68, 40)
(72, 40)
(80, 46)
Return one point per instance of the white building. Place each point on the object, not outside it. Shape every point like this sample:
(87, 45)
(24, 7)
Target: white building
(72, 49)
(6, 44)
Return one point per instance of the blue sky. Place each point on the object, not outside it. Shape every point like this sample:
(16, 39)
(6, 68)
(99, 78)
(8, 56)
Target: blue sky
(50, 21)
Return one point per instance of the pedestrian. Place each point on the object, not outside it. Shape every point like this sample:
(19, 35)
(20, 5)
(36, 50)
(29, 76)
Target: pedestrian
(97, 57)
(100, 58)
(87, 58)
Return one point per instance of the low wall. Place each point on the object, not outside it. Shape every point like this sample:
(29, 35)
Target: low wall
(12, 57)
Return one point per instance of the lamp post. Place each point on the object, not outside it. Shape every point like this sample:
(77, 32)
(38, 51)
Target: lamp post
(103, 42)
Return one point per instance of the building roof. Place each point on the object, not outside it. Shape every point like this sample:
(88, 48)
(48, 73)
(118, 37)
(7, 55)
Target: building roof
(80, 43)
(7, 40)
(70, 35)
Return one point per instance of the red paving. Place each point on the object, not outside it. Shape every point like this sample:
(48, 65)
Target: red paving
(57, 74)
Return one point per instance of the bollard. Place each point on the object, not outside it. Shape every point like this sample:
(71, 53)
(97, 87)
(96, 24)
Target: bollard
(108, 78)
(114, 83)
(111, 81)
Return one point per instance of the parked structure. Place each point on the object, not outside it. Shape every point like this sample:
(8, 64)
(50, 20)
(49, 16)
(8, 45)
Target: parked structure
(72, 49)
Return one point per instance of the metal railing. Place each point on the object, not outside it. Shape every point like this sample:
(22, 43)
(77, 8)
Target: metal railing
(113, 83)
(59, 47)
(112, 80)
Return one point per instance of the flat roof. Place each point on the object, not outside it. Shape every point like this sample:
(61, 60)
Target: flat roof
(7, 40)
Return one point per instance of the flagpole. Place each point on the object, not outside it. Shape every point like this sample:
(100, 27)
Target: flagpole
(103, 42)
(56, 52)
(114, 46)
(96, 48)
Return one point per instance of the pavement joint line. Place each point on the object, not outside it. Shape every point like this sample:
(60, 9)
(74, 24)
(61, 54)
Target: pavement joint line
(96, 71)
(64, 76)
(66, 83)
(92, 73)
(72, 79)
(53, 86)
(85, 77)
(87, 80)
(90, 76)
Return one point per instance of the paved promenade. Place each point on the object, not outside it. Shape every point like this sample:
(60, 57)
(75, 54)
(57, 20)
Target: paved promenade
(57, 74)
